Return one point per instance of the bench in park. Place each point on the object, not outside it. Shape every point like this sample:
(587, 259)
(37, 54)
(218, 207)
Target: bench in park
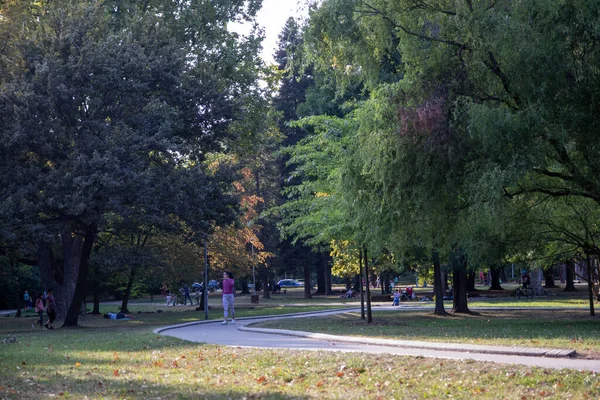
(380, 297)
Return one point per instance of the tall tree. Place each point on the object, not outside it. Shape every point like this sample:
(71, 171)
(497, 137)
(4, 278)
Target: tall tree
(108, 107)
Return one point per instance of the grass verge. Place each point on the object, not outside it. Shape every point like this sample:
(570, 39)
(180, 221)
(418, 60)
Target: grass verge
(565, 329)
(126, 361)
(107, 359)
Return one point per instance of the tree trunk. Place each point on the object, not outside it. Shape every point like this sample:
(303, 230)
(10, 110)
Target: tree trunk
(445, 279)
(72, 244)
(495, 273)
(60, 275)
(437, 284)
(85, 252)
(471, 281)
(320, 277)
(201, 305)
(369, 313)
(362, 279)
(590, 281)
(96, 310)
(570, 282)
(327, 269)
(50, 269)
(244, 286)
(307, 282)
(459, 279)
(549, 278)
(127, 294)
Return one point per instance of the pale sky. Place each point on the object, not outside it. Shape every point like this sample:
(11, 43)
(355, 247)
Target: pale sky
(272, 18)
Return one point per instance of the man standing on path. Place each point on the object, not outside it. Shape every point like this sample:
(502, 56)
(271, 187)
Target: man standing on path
(228, 291)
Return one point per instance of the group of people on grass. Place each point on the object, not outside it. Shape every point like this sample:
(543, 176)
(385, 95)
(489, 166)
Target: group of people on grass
(407, 294)
(45, 302)
(228, 296)
(184, 295)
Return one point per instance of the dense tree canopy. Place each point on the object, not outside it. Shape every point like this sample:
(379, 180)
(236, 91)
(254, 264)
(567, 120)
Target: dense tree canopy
(448, 132)
(109, 111)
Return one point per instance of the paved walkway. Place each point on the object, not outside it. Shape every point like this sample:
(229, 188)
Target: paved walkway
(243, 335)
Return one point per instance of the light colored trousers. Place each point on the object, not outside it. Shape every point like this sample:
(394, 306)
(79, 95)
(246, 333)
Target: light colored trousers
(227, 303)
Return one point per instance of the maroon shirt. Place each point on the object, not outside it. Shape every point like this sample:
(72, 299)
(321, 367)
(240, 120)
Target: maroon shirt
(228, 285)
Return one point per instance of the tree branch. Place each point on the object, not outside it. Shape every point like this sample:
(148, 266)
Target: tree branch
(554, 192)
(374, 11)
(494, 66)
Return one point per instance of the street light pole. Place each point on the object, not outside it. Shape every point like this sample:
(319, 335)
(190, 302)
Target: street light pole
(205, 294)
(253, 276)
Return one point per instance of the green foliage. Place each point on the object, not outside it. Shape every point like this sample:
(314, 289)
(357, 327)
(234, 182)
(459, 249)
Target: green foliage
(493, 103)
(313, 212)
(346, 259)
(110, 111)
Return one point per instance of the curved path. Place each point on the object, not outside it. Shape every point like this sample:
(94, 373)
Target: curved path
(242, 335)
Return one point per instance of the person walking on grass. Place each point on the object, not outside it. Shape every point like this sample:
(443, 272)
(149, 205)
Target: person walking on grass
(39, 308)
(50, 308)
(228, 292)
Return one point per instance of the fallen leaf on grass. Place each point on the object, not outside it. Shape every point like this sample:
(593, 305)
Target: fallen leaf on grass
(78, 364)
(261, 379)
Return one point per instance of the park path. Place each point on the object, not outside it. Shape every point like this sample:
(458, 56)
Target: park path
(243, 335)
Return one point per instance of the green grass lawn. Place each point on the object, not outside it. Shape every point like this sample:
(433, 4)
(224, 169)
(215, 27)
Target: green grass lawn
(106, 359)
(566, 329)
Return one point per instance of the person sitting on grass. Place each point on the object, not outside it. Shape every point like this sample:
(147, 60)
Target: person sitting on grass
(118, 316)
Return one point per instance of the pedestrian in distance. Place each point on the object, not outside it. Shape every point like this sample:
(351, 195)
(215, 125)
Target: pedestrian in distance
(39, 308)
(50, 308)
(228, 296)
(186, 294)
(27, 300)
(171, 298)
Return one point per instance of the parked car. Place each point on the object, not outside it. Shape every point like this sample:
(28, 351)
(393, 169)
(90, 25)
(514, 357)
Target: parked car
(301, 282)
(289, 283)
